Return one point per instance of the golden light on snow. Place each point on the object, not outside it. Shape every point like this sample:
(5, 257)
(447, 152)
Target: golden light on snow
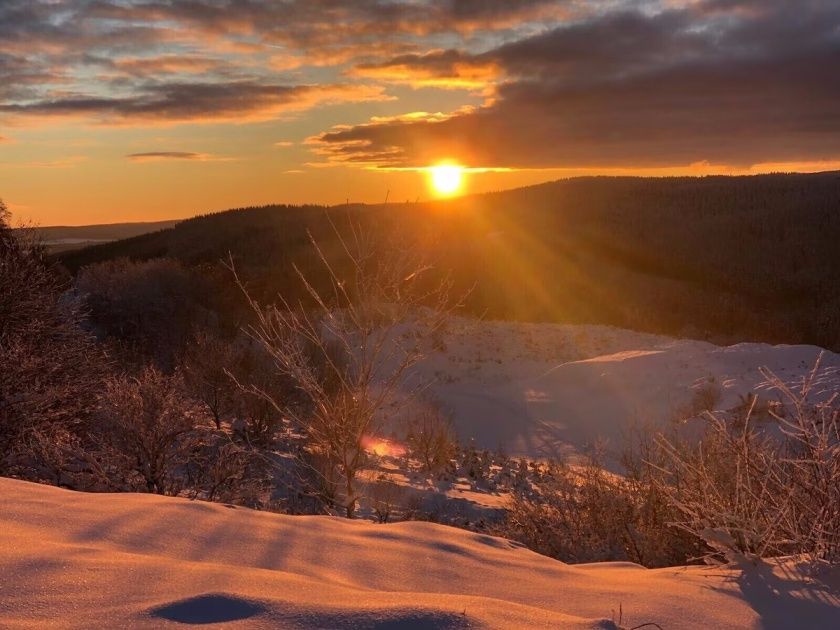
(382, 447)
(446, 179)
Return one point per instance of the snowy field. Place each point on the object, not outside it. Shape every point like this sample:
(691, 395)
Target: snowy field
(74, 560)
(540, 390)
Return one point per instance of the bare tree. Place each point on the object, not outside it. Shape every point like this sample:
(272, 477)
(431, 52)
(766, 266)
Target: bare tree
(432, 439)
(219, 469)
(256, 417)
(145, 422)
(205, 362)
(385, 497)
(350, 349)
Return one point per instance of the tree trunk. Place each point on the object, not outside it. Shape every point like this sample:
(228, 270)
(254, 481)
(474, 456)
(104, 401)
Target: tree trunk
(351, 499)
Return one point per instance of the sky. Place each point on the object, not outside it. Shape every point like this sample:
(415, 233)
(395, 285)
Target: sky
(140, 110)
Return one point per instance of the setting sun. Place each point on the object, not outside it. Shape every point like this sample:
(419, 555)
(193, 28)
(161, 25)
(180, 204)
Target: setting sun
(446, 179)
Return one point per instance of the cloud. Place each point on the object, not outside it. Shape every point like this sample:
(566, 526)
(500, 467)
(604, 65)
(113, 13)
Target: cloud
(447, 69)
(322, 22)
(156, 62)
(146, 62)
(566, 83)
(167, 103)
(65, 162)
(167, 64)
(156, 156)
(726, 82)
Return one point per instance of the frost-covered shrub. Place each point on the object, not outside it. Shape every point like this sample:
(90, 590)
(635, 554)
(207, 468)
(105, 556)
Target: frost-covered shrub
(146, 421)
(586, 514)
(385, 498)
(432, 440)
(753, 488)
(50, 369)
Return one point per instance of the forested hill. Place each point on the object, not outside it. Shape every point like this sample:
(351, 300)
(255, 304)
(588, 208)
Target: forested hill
(723, 258)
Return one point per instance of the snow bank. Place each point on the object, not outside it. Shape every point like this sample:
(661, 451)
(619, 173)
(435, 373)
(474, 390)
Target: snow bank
(73, 560)
(542, 390)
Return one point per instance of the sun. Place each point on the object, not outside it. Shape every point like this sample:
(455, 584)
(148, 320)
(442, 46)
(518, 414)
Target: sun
(446, 179)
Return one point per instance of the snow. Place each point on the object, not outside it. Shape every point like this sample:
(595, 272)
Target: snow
(75, 560)
(540, 390)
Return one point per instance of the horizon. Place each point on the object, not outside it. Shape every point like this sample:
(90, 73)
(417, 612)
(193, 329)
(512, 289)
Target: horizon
(281, 204)
(137, 111)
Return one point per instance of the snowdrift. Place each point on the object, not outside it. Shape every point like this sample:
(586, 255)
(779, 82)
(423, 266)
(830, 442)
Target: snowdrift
(74, 560)
(549, 390)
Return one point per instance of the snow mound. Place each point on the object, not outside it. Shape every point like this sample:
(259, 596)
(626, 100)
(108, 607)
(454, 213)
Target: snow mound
(74, 560)
(540, 390)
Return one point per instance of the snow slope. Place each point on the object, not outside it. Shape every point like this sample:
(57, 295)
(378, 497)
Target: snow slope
(73, 560)
(542, 390)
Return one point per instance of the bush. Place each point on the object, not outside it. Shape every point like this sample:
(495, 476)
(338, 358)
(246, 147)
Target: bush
(432, 440)
(751, 488)
(586, 514)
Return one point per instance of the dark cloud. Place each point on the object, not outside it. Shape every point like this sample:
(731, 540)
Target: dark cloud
(568, 82)
(194, 102)
(166, 155)
(725, 82)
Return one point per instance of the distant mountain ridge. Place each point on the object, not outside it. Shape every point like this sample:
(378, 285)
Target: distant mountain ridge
(65, 237)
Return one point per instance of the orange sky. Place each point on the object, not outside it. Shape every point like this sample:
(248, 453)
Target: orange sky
(139, 110)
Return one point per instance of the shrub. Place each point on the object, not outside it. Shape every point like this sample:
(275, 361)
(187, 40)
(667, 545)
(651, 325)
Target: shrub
(431, 440)
(50, 368)
(758, 489)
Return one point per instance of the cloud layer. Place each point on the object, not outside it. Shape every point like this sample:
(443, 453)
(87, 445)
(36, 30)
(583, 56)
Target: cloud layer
(564, 83)
(720, 81)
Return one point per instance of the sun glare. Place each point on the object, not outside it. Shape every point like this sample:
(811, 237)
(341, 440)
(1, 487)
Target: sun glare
(446, 179)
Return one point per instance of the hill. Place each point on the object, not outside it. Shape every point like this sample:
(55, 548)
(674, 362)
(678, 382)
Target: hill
(551, 390)
(58, 238)
(75, 560)
(725, 259)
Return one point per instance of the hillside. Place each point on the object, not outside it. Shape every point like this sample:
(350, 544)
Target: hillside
(549, 390)
(62, 238)
(74, 560)
(725, 259)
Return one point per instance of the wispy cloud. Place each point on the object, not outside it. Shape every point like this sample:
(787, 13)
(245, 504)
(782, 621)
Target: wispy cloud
(157, 156)
(65, 162)
(447, 69)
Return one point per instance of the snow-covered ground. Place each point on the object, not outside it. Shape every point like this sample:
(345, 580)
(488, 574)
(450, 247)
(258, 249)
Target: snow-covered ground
(74, 560)
(541, 390)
